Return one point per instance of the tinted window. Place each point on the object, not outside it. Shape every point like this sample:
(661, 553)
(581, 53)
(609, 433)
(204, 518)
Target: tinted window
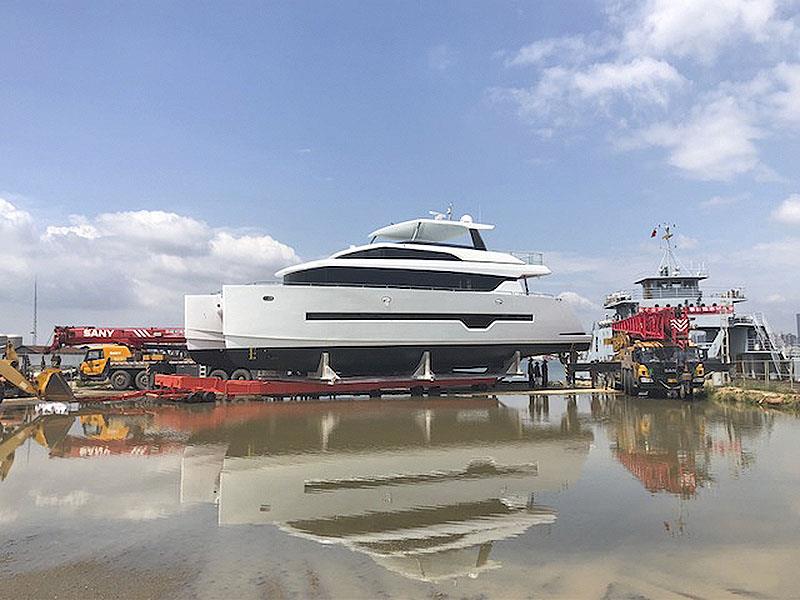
(408, 278)
(401, 253)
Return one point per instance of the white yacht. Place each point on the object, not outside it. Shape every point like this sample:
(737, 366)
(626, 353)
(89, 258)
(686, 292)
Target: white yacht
(413, 293)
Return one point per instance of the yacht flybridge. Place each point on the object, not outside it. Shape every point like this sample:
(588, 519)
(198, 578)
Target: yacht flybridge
(414, 297)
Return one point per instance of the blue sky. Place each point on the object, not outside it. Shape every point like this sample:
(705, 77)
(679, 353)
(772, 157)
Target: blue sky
(151, 149)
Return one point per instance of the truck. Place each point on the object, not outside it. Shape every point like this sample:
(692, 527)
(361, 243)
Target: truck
(124, 356)
(655, 355)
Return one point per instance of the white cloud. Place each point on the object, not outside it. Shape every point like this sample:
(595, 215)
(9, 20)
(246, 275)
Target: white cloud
(564, 49)
(563, 90)
(782, 99)
(579, 301)
(640, 60)
(720, 201)
(685, 242)
(12, 217)
(132, 266)
(645, 78)
(715, 143)
(700, 29)
(789, 210)
(261, 250)
(441, 57)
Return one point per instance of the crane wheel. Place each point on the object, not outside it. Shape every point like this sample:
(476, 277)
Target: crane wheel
(142, 380)
(241, 375)
(218, 374)
(120, 380)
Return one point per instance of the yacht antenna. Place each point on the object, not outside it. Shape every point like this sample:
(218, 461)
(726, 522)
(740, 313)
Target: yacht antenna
(447, 215)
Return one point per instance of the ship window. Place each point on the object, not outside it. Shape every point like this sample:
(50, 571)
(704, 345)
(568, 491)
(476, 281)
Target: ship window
(405, 278)
(400, 253)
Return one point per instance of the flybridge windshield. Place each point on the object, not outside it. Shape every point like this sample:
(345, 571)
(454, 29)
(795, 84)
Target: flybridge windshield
(443, 232)
(471, 238)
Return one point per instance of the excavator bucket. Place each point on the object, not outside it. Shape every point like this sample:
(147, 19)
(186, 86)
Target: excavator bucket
(52, 386)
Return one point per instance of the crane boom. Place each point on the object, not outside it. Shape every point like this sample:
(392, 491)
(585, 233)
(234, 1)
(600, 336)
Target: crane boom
(665, 324)
(133, 337)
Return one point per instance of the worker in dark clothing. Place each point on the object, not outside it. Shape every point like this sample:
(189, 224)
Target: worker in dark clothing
(544, 373)
(531, 373)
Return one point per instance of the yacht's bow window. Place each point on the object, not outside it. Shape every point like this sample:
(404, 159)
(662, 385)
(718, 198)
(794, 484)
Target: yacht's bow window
(407, 253)
(405, 278)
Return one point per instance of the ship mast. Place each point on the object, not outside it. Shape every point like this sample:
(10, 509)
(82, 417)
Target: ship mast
(670, 265)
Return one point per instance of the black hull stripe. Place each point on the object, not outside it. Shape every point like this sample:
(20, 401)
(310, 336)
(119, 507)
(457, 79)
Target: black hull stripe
(471, 320)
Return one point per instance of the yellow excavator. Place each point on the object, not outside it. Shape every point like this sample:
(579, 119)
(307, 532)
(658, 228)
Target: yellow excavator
(48, 385)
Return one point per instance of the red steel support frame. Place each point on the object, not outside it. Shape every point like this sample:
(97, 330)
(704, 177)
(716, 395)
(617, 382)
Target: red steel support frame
(309, 387)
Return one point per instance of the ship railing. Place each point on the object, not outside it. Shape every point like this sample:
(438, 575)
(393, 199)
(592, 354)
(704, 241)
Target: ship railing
(763, 373)
(706, 295)
(529, 258)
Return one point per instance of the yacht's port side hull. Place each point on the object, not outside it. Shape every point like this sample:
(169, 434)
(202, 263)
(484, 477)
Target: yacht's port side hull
(387, 330)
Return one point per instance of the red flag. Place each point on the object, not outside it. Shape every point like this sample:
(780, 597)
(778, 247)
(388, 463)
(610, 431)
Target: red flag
(654, 234)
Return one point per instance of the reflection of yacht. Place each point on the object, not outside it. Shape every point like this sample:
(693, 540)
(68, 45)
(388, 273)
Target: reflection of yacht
(378, 308)
(715, 326)
(424, 492)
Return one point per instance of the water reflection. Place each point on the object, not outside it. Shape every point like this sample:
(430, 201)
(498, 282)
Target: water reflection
(424, 488)
(668, 445)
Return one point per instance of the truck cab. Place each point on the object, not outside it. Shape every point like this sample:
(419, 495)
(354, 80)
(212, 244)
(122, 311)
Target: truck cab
(654, 368)
(97, 360)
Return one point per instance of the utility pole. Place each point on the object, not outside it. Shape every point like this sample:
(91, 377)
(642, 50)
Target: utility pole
(34, 331)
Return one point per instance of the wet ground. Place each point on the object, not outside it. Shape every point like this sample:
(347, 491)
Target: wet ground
(586, 496)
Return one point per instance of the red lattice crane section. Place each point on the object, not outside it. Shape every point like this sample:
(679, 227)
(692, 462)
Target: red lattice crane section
(133, 337)
(668, 325)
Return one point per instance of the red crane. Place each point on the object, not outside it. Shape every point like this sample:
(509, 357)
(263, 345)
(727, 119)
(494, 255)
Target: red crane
(664, 324)
(133, 337)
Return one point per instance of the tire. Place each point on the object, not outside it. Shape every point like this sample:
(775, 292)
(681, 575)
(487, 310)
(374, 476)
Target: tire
(142, 380)
(241, 375)
(120, 380)
(218, 374)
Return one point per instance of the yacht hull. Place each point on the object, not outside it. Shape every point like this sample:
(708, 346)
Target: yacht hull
(368, 331)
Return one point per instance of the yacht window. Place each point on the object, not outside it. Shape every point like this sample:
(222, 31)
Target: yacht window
(400, 253)
(406, 278)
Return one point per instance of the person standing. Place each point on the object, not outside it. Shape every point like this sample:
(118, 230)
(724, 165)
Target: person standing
(544, 373)
(531, 374)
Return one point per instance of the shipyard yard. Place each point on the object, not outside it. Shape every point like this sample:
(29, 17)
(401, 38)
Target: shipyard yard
(442, 300)
(571, 496)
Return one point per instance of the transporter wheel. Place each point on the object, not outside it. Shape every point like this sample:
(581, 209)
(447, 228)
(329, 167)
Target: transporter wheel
(218, 374)
(241, 375)
(120, 380)
(142, 380)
